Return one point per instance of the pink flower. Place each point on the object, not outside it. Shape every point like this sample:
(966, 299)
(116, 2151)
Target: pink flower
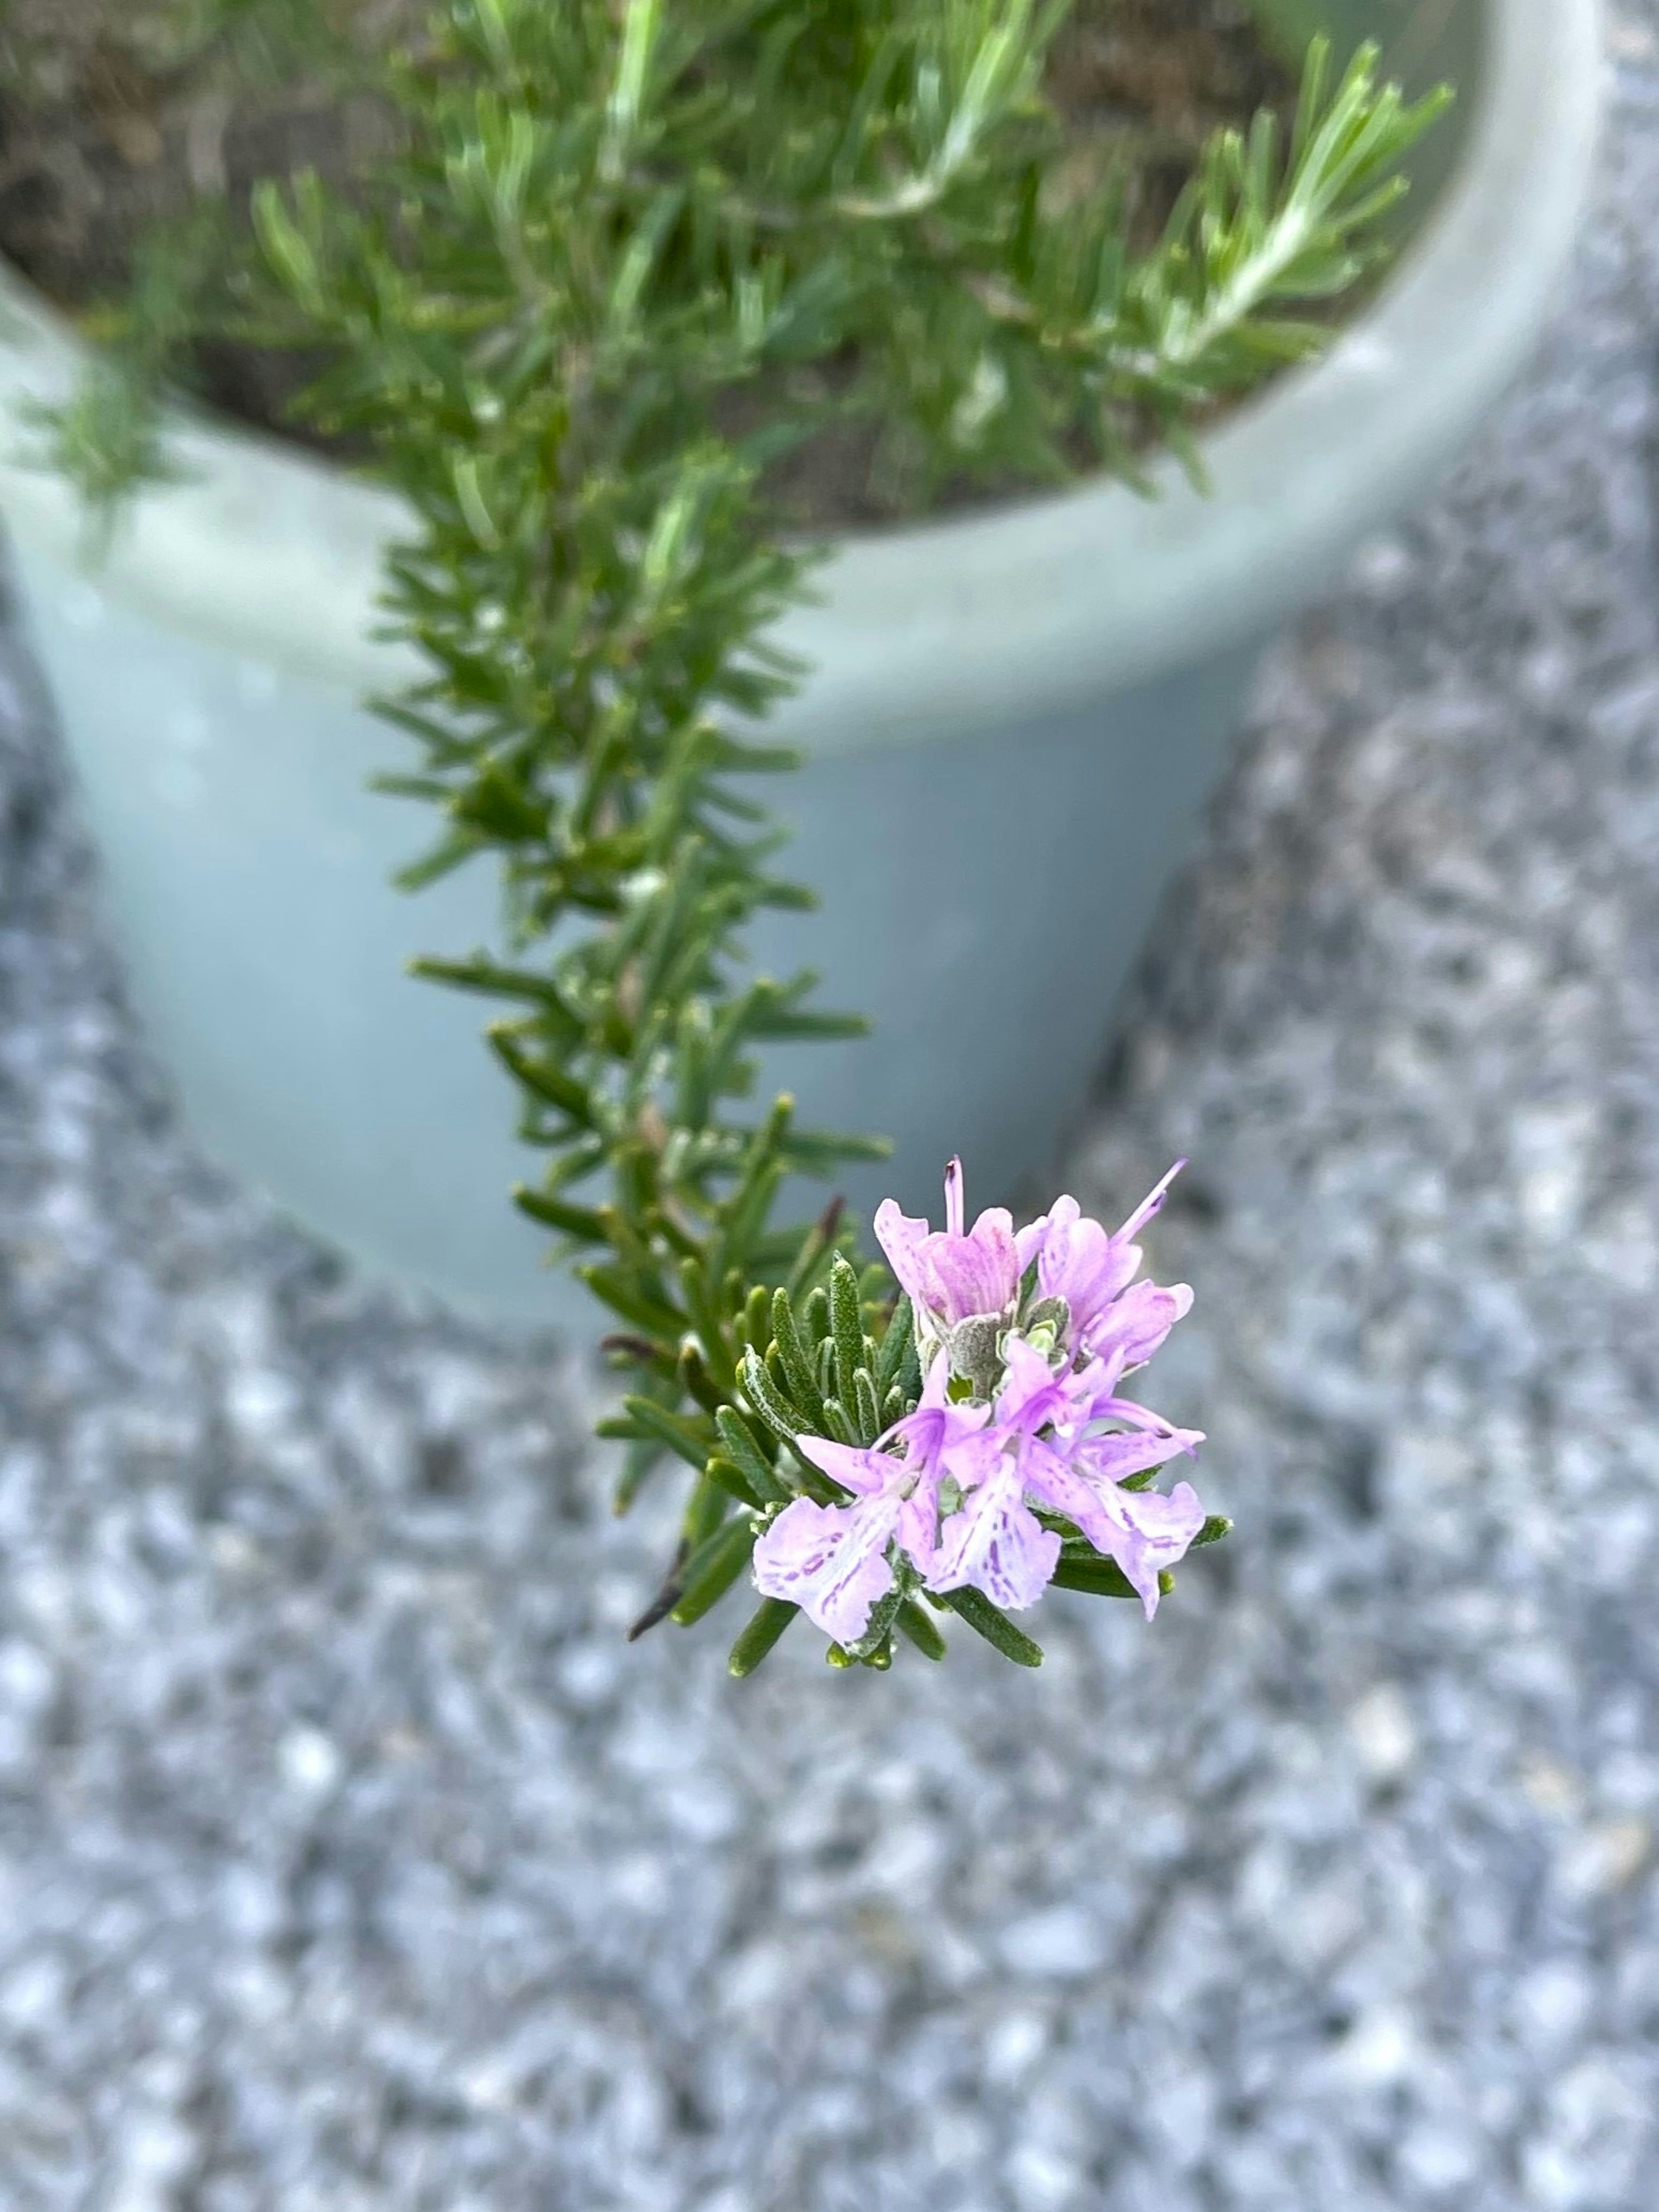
(1143, 1530)
(1134, 1325)
(1075, 1466)
(995, 1542)
(830, 1560)
(950, 1276)
(1021, 1414)
(834, 1561)
(1077, 1261)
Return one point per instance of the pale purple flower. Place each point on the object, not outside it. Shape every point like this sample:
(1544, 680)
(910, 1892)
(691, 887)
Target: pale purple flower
(995, 1542)
(1134, 1326)
(952, 1275)
(1051, 1448)
(1034, 1395)
(833, 1560)
(1070, 1463)
(1144, 1531)
(1078, 1260)
(1024, 1413)
(830, 1560)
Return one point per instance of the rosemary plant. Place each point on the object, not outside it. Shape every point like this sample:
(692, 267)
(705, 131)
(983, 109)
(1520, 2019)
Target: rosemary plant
(627, 259)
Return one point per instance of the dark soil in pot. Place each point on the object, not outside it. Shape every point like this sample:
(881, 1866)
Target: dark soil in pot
(116, 119)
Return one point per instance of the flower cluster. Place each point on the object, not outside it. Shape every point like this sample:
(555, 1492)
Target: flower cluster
(1019, 1434)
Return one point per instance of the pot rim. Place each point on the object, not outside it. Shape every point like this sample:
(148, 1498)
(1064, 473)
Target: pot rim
(976, 619)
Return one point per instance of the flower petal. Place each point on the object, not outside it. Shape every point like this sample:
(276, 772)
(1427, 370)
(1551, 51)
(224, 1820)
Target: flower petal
(1114, 1459)
(934, 1426)
(1049, 1474)
(1031, 1392)
(903, 1237)
(1151, 1204)
(1154, 1532)
(955, 1213)
(830, 1560)
(1033, 1397)
(1134, 1326)
(975, 1274)
(996, 1545)
(917, 1523)
(969, 1460)
(1080, 1263)
(863, 1472)
(1142, 1417)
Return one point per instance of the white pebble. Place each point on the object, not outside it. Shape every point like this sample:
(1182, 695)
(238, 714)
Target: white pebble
(1551, 2003)
(1384, 1734)
(1014, 2044)
(1379, 2049)
(1605, 1857)
(310, 1761)
(1059, 1945)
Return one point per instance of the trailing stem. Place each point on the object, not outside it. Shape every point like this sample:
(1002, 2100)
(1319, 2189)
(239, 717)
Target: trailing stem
(625, 260)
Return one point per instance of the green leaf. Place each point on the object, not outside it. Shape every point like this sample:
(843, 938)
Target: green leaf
(739, 1440)
(870, 1423)
(495, 980)
(703, 1306)
(705, 1510)
(766, 1626)
(761, 1173)
(784, 1023)
(445, 857)
(1101, 1577)
(554, 1213)
(920, 1627)
(632, 1303)
(733, 1482)
(875, 1647)
(798, 1366)
(290, 253)
(817, 1250)
(1098, 1576)
(640, 1460)
(699, 1380)
(494, 803)
(767, 1400)
(542, 1078)
(987, 1620)
(713, 1569)
(757, 1324)
(816, 1151)
(839, 1424)
(898, 1339)
(693, 1438)
(847, 1326)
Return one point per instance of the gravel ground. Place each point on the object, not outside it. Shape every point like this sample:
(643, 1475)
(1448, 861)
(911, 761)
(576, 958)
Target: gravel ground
(347, 1860)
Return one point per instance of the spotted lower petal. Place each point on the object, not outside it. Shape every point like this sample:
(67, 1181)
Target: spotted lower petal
(830, 1560)
(1145, 1532)
(995, 1544)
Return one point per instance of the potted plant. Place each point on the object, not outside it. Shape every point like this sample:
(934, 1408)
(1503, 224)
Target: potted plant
(582, 335)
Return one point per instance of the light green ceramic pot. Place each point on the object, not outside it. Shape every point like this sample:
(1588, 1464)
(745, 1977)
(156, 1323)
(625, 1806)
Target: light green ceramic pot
(1013, 724)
